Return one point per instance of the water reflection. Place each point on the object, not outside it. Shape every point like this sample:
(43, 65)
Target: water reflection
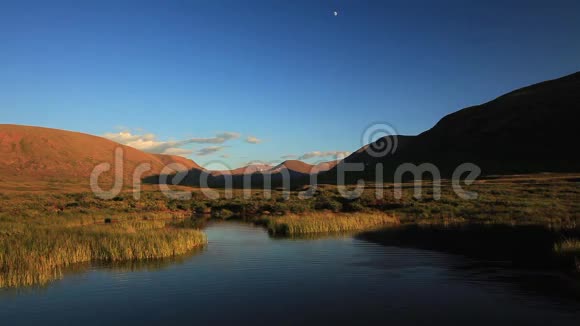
(244, 276)
(521, 256)
(522, 246)
(314, 236)
(149, 265)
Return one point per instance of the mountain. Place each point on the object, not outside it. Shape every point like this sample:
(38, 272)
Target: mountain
(186, 164)
(257, 174)
(248, 169)
(299, 167)
(293, 167)
(44, 154)
(532, 129)
(324, 166)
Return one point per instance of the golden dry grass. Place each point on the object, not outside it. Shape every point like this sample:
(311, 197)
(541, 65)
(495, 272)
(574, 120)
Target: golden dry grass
(568, 246)
(322, 222)
(35, 253)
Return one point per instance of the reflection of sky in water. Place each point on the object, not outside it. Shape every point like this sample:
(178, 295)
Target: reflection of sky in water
(244, 276)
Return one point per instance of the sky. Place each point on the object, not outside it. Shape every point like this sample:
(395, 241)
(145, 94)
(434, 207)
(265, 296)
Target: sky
(229, 82)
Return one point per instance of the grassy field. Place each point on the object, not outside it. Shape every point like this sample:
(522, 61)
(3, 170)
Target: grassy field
(548, 199)
(43, 231)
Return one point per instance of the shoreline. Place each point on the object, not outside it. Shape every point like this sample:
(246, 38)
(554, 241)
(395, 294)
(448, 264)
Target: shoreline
(153, 225)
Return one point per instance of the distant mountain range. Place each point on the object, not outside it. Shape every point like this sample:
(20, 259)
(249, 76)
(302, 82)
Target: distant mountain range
(296, 172)
(532, 129)
(291, 166)
(43, 154)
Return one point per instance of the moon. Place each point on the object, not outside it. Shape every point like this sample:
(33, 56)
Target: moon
(335, 13)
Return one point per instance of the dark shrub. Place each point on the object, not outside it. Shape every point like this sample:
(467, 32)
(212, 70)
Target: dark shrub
(391, 206)
(199, 207)
(323, 202)
(176, 204)
(298, 207)
(353, 206)
(280, 208)
(250, 208)
(223, 213)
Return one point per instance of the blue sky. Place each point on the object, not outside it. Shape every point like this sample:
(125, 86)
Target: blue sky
(206, 75)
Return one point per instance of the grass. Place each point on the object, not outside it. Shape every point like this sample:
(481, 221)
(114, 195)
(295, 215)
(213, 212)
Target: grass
(35, 253)
(568, 246)
(321, 222)
(550, 199)
(42, 231)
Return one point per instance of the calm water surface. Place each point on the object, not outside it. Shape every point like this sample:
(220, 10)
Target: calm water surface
(243, 276)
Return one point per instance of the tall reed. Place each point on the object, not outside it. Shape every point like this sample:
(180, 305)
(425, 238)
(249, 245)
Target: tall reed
(327, 222)
(568, 246)
(35, 254)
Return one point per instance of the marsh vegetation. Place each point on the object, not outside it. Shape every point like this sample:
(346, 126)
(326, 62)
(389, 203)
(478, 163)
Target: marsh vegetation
(36, 251)
(293, 224)
(41, 233)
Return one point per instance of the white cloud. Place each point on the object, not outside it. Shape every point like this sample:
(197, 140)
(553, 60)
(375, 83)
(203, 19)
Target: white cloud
(209, 150)
(253, 140)
(289, 157)
(178, 151)
(149, 142)
(125, 137)
(261, 163)
(218, 139)
(333, 154)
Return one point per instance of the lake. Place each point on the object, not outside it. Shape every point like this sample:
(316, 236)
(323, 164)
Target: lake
(244, 276)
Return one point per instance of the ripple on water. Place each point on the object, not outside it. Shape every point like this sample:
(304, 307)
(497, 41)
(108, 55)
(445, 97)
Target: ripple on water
(243, 275)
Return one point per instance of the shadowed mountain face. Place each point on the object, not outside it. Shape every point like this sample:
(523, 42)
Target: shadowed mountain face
(182, 163)
(290, 166)
(293, 166)
(294, 172)
(532, 129)
(35, 153)
(248, 169)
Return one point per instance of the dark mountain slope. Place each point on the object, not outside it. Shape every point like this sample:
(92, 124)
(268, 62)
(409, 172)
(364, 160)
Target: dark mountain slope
(532, 129)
